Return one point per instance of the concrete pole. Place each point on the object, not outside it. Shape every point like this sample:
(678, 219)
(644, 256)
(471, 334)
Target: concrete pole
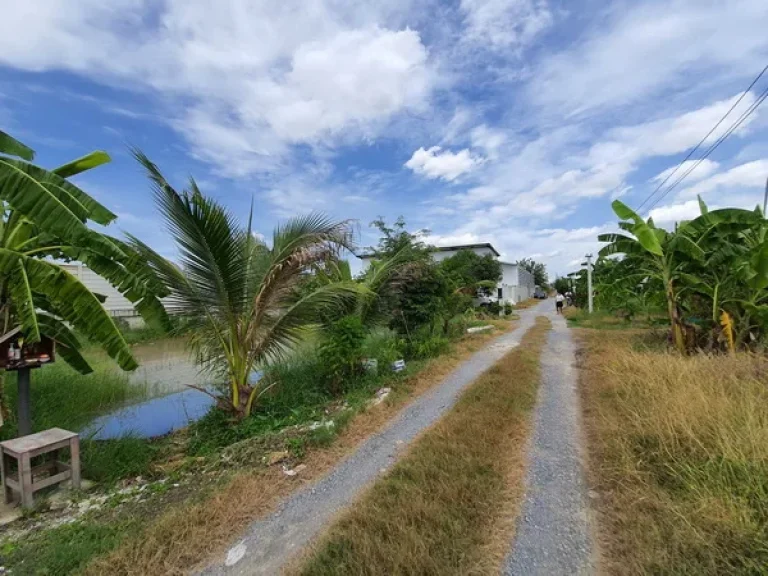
(765, 197)
(589, 282)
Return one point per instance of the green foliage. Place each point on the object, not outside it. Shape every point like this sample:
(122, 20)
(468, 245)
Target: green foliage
(562, 285)
(467, 270)
(508, 309)
(245, 301)
(43, 217)
(342, 351)
(716, 263)
(110, 460)
(539, 271)
(63, 398)
(421, 300)
(64, 549)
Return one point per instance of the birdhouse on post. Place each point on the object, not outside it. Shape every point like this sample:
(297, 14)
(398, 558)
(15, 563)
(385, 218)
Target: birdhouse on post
(21, 357)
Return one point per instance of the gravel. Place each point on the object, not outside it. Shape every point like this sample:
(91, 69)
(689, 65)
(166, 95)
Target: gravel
(269, 543)
(553, 532)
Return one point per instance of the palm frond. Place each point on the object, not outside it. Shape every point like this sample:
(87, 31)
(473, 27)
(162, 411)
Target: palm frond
(12, 147)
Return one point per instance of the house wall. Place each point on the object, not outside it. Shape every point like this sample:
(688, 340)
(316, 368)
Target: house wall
(116, 304)
(443, 254)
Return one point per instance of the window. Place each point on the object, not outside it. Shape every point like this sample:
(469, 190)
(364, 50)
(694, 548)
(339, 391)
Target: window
(500, 296)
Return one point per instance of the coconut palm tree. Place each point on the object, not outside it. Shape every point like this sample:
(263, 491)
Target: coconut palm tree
(241, 297)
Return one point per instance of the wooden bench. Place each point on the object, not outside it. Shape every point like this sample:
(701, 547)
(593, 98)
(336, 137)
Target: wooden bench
(28, 479)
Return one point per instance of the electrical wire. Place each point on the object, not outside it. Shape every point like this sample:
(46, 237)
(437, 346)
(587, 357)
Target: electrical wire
(731, 109)
(746, 114)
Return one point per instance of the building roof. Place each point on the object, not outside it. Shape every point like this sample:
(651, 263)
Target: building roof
(446, 249)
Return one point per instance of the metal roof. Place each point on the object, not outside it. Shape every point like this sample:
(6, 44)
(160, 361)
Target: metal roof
(447, 249)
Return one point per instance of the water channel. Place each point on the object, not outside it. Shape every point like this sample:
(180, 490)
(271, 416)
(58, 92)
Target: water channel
(167, 370)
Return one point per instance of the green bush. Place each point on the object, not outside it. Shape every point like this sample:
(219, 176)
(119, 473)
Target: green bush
(508, 309)
(342, 352)
(493, 308)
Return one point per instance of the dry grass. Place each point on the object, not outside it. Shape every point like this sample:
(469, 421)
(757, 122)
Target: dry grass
(189, 535)
(679, 456)
(449, 506)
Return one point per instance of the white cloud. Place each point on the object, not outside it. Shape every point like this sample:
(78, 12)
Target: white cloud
(751, 175)
(447, 165)
(488, 139)
(675, 212)
(505, 24)
(245, 80)
(637, 50)
(697, 171)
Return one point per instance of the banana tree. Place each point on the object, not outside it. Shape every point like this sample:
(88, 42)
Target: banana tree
(44, 218)
(660, 254)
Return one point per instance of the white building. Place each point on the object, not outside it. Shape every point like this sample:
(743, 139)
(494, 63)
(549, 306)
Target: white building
(516, 283)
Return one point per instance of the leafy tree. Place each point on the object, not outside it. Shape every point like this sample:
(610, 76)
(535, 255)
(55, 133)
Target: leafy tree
(242, 298)
(469, 271)
(562, 285)
(539, 271)
(45, 217)
(396, 239)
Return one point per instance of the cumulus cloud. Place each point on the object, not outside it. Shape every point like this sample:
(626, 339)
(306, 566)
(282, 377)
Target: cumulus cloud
(675, 212)
(245, 80)
(446, 165)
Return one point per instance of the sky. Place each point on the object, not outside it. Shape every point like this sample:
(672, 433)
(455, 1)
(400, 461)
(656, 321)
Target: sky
(514, 122)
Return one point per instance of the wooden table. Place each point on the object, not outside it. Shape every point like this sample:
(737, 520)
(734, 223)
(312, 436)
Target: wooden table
(28, 479)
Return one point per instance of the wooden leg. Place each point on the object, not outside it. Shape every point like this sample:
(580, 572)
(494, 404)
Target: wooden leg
(3, 467)
(25, 481)
(7, 469)
(74, 448)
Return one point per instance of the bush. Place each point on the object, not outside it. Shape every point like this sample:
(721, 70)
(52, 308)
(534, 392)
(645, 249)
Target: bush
(508, 309)
(429, 347)
(342, 351)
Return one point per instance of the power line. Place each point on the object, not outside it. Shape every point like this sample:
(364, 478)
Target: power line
(746, 114)
(743, 94)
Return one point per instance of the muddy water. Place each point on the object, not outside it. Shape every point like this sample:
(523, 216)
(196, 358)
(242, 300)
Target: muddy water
(165, 367)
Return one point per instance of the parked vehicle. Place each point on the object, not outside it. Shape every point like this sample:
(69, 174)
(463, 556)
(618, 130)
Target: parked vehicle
(539, 294)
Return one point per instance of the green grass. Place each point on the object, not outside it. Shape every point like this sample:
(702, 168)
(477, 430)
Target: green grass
(63, 398)
(64, 549)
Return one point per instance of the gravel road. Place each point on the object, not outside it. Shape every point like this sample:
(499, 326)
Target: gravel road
(553, 533)
(268, 544)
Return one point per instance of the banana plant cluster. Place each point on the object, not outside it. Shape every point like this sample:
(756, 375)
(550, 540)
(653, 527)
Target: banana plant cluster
(44, 219)
(712, 265)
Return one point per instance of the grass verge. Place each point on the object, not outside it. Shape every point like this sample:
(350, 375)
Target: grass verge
(678, 456)
(449, 505)
(188, 534)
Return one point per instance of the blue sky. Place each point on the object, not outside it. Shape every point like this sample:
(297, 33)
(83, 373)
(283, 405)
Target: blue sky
(506, 121)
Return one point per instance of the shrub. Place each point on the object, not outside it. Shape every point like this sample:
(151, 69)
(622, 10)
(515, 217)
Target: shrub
(508, 309)
(342, 351)
(429, 347)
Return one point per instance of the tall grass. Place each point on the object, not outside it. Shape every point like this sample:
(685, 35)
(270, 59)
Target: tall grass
(63, 398)
(449, 505)
(680, 455)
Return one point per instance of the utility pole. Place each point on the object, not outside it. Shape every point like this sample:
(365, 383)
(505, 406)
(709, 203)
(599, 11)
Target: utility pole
(765, 197)
(589, 281)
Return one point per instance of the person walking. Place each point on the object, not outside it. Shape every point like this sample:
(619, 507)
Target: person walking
(559, 299)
